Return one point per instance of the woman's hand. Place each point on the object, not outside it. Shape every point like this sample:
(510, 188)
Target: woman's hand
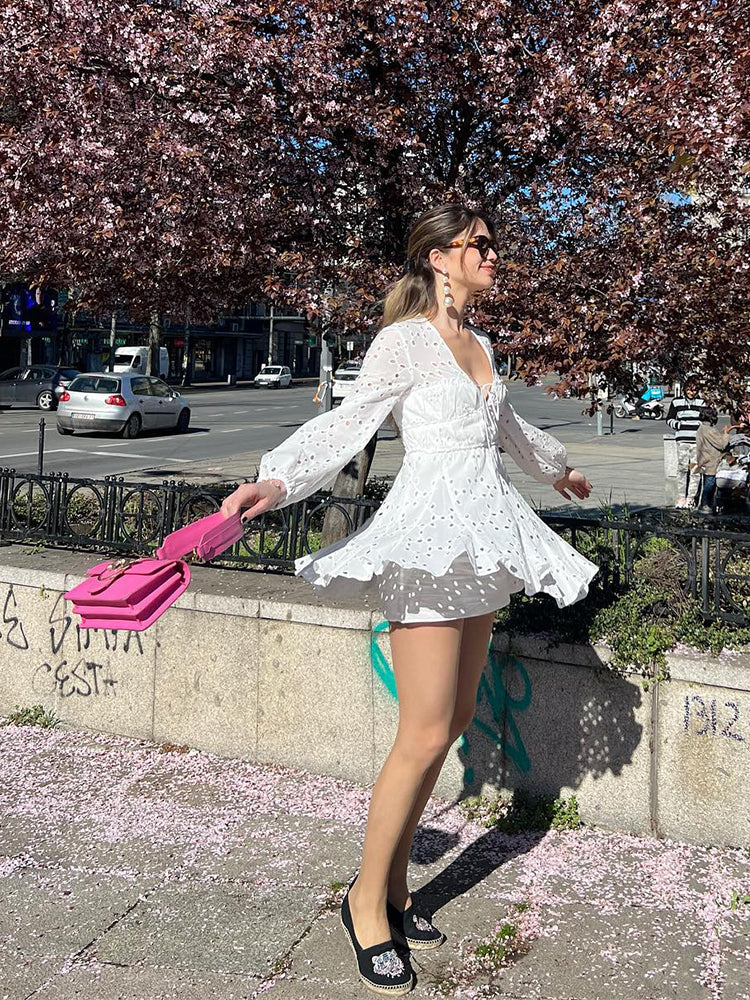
(574, 481)
(257, 497)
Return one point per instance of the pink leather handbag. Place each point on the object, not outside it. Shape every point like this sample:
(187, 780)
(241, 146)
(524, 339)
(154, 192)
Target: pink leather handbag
(128, 594)
(132, 593)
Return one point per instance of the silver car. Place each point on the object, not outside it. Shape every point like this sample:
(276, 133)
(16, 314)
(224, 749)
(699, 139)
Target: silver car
(121, 404)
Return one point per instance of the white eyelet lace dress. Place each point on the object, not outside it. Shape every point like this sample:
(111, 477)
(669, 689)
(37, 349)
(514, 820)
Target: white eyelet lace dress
(454, 538)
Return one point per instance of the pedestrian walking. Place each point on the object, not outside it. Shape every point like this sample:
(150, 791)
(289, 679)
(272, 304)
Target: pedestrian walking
(685, 415)
(448, 546)
(711, 444)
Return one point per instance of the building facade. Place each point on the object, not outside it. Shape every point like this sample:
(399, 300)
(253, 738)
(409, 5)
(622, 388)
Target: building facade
(34, 329)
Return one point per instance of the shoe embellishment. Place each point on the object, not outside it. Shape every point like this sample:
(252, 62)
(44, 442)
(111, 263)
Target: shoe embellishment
(422, 925)
(388, 964)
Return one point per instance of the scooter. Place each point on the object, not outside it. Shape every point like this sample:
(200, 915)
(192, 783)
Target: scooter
(650, 404)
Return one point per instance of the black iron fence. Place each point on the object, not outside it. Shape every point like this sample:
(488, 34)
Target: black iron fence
(710, 555)
(115, 516)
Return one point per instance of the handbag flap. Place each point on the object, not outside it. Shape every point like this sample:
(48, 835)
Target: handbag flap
(179, 543)
(220, 537)
(125, 586)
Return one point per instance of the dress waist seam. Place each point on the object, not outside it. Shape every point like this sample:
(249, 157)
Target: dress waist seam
(442, 451)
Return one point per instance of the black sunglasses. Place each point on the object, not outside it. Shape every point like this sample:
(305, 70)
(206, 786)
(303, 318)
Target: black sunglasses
(481, 243)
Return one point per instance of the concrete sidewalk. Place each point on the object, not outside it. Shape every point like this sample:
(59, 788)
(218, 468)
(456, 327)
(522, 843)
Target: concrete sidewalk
(134, 871)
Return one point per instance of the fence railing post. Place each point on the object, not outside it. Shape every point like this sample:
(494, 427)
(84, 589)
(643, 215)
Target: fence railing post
(40, 455)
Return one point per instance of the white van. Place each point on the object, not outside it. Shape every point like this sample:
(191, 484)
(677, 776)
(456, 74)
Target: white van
(133, 360)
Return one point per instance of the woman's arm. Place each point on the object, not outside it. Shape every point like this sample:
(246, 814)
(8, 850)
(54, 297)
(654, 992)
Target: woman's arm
(539, 454)
(322, 446)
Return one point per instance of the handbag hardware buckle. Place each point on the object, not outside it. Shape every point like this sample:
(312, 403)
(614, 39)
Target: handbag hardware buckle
(119, 568)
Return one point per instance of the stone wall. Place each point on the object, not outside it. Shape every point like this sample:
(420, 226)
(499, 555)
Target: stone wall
(251, 665)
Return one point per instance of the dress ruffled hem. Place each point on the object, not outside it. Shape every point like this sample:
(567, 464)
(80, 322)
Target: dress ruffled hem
(488, 538)
(349, 563)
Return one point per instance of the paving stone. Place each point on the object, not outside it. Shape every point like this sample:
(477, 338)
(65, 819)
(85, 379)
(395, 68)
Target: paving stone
(21, 976)
(219, 929)
(50, 915)
(95, 981)
(492, 865)
(73, 846)
(587, 954)
(734, 957)
(301, 849)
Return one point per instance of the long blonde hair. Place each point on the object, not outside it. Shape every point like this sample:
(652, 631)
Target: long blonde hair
(414, 293)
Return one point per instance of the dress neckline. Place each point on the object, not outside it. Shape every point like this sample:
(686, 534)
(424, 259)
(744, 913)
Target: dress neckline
(478, 339)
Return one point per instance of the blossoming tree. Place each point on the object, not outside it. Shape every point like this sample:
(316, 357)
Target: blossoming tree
(185, 156)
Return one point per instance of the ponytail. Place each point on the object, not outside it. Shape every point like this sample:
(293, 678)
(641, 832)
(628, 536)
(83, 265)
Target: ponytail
(412, 295)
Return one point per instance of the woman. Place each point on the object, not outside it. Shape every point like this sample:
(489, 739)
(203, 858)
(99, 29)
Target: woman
(734, 468)
(450, 543)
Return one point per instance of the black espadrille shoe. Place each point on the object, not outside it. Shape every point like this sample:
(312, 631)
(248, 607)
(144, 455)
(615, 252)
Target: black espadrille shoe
(380, 967)
(413, 928)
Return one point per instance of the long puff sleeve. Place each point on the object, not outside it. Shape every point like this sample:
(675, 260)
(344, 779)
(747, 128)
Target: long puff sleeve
(322, 446)
(534, 451)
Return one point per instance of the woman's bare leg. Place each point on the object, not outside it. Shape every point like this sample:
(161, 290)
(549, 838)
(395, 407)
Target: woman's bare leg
(472, 660)
(425, 667)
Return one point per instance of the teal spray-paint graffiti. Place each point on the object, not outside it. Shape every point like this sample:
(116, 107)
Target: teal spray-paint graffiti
(379, 663)
(492, 689)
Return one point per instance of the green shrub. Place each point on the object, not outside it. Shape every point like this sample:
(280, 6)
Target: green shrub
(37, 715)
(640, 622)
(520, 811)
(507, 943)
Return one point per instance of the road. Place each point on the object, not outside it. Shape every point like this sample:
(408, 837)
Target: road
(231, 422)
(224, 422)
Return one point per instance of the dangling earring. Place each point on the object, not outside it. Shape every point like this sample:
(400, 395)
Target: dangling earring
(447, 294)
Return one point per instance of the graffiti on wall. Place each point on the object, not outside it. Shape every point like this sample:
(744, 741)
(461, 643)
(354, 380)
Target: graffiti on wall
(709, 717)
(503, 674)
(15, 636)
(86, 671)
(84, 678)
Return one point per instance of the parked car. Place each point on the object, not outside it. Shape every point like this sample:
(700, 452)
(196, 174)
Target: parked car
(133, 360)
(34, 385)
(343, 378)
(121, 404)
(274, 377)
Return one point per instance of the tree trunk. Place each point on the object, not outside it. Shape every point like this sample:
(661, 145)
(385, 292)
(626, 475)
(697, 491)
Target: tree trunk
(112, 338)
(349, 483)
(65, 338)
(154, 343)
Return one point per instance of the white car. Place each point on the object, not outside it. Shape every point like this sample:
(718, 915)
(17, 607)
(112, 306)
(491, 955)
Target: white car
(343, 379)
(274, 377)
